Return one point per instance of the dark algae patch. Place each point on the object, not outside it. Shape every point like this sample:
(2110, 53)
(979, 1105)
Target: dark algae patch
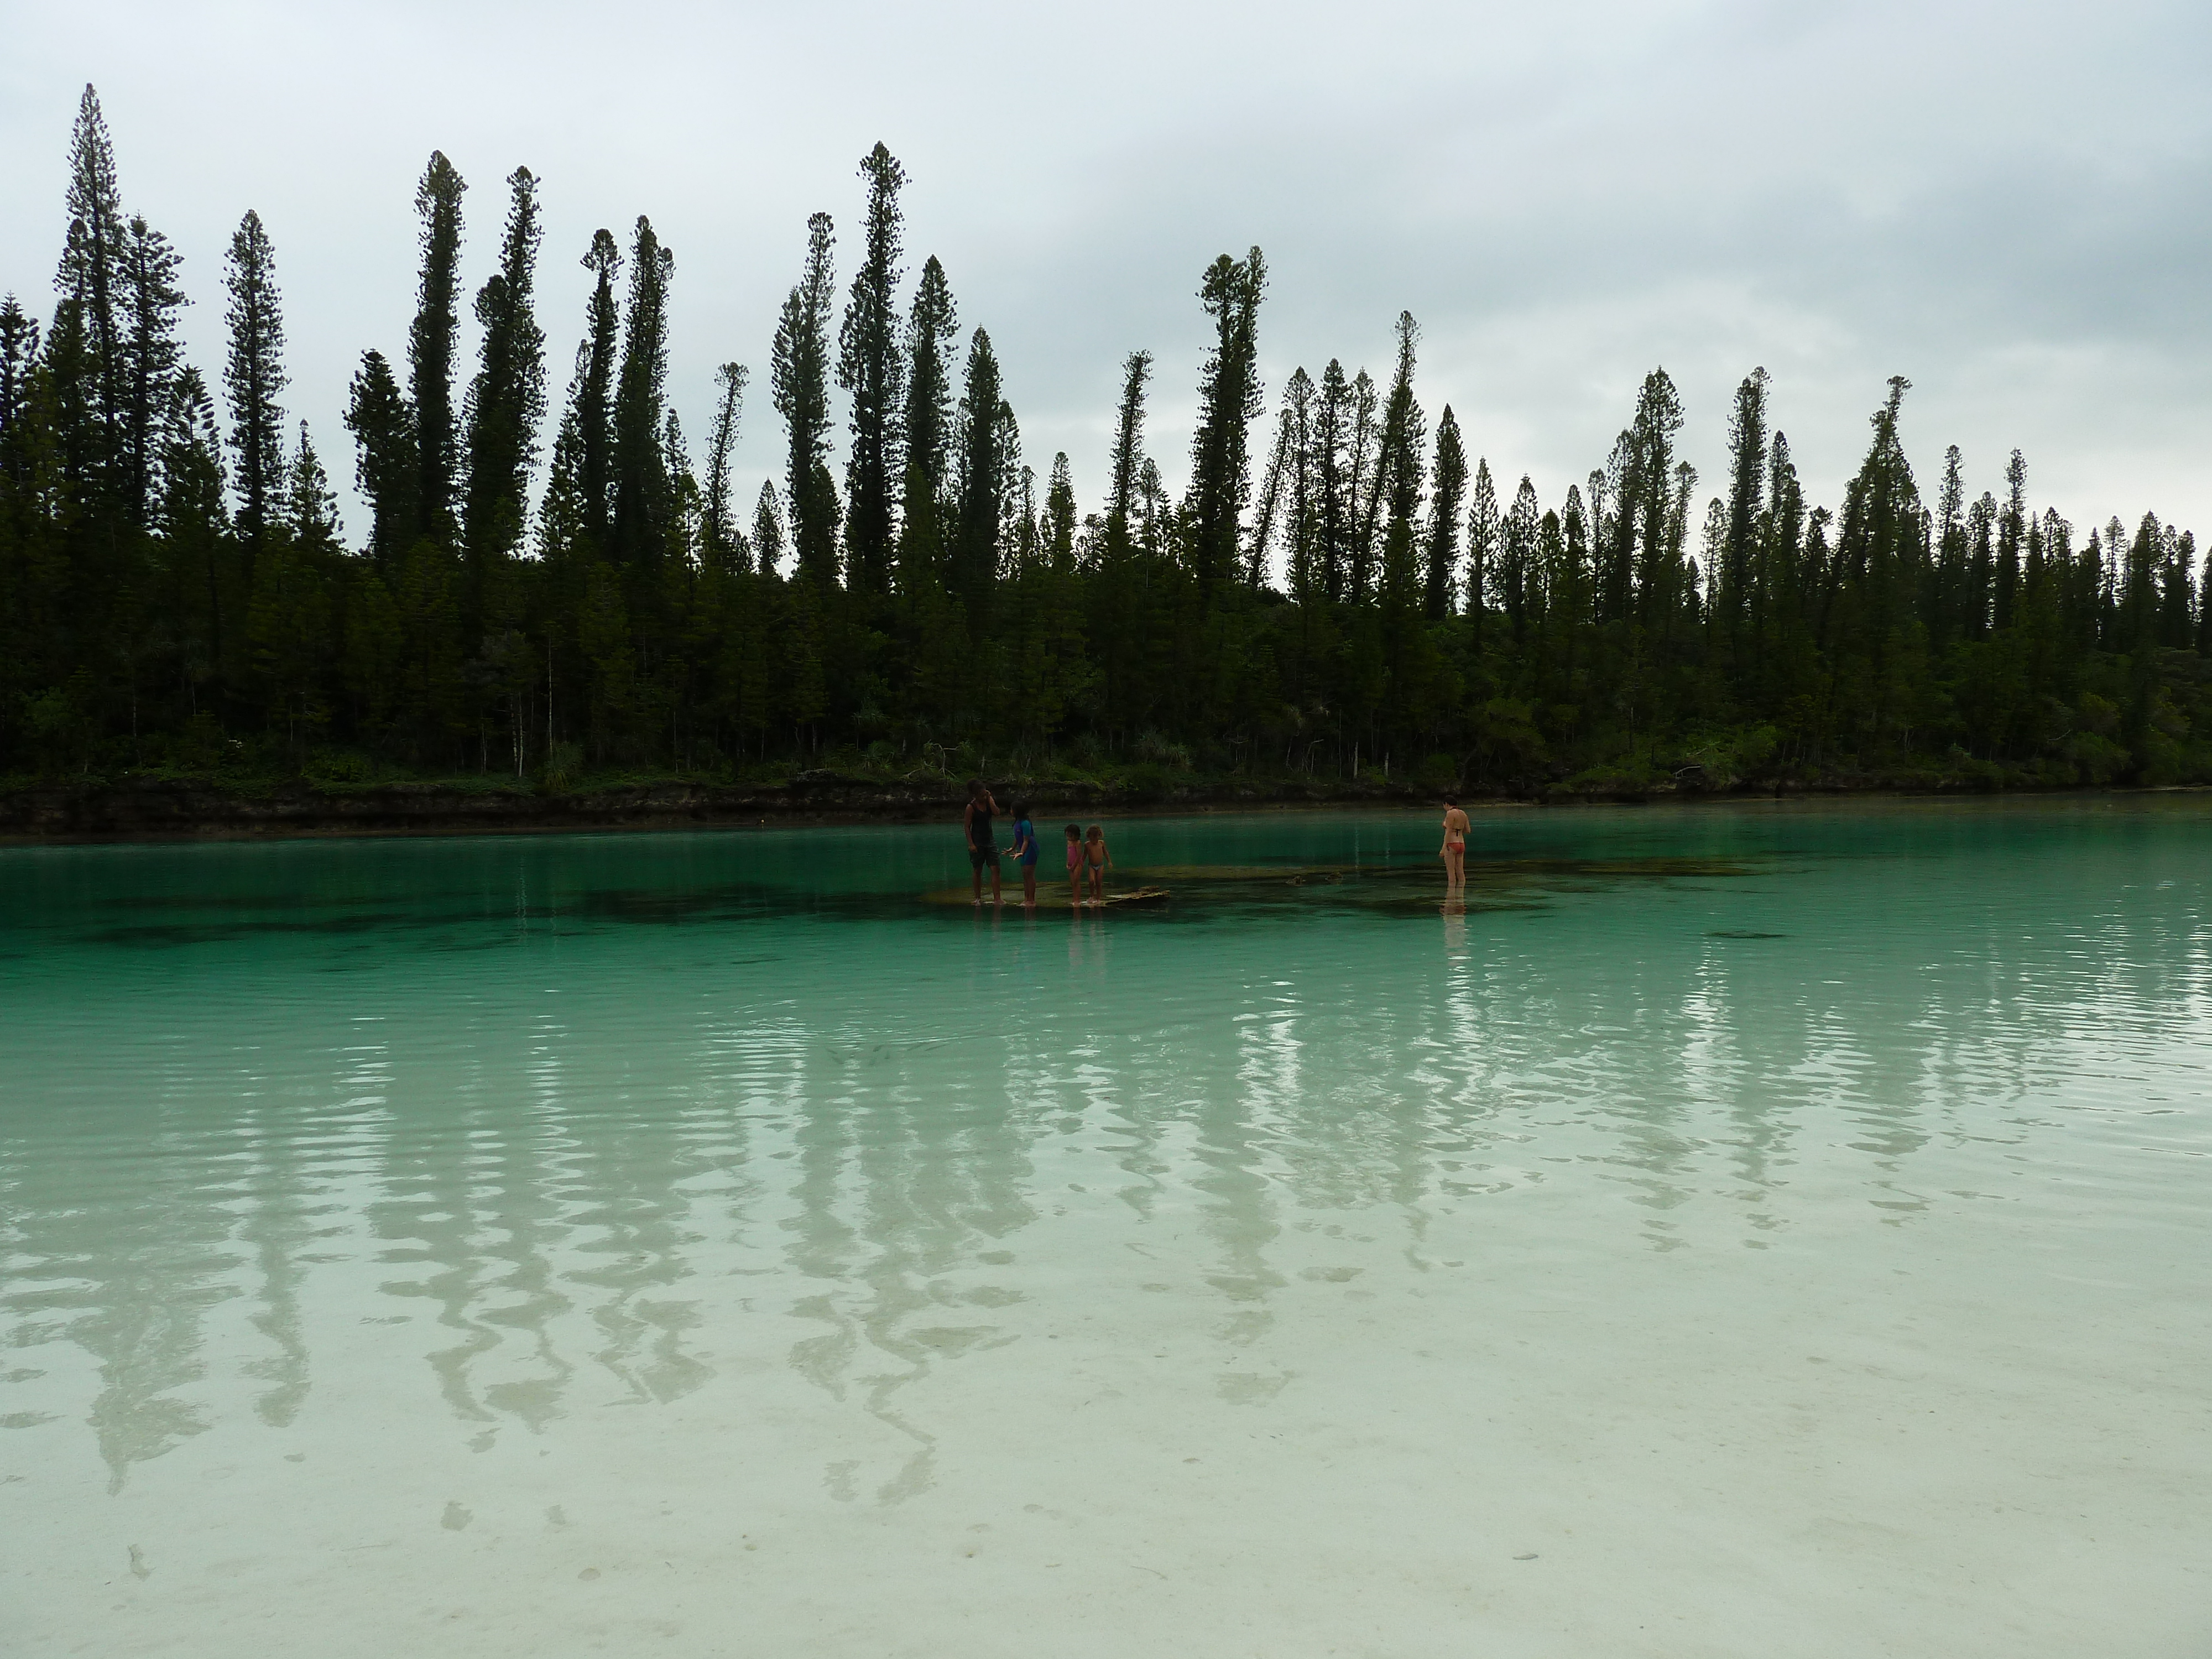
(1193, 893)
(1416, 887)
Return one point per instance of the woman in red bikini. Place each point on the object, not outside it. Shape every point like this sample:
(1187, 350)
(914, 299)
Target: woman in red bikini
(1453, 851)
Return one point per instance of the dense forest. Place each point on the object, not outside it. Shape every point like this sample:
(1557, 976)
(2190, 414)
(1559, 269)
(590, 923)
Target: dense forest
(1339, 590)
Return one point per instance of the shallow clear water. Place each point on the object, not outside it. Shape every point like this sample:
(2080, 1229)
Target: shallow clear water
(1741, 1231)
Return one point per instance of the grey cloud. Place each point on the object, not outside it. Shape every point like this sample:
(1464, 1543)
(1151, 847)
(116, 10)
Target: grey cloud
(2004, 203)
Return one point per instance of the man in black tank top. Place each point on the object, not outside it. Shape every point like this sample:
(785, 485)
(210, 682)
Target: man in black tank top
(982, 846)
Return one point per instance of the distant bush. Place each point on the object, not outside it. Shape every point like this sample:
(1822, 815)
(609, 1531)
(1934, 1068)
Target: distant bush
(563, 766)
(325, 767)
(1155, 749)
(1622, 777)
(2096, 759)
(1147, 778)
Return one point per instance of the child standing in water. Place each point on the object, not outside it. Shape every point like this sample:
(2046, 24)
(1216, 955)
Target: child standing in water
(1025, 849)
(1076, 865)
(1094, 855)
(1453, 851)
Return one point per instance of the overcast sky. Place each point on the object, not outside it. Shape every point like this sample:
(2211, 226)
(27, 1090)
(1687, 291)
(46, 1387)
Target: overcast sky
(2010, 204)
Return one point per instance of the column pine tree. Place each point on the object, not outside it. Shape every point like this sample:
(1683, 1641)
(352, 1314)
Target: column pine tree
(430, 344)
(1448, 489)
(592, 395)
(640, 474)
(383, 427)
(253, 376)
(799, 381)
(506, 399)
(723, 543)
(932, 339)
(152, 358)
(870, 369)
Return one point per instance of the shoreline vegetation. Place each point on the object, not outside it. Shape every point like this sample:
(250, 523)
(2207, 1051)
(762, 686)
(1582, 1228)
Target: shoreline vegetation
(558, 613)
(171, 806)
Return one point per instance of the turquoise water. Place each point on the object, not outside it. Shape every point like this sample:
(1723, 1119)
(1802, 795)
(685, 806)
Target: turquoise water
(1736, 1231)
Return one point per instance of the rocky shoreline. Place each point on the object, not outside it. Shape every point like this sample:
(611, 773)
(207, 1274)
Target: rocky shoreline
(170, 809)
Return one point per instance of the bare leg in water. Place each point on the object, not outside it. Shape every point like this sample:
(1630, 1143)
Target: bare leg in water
(1453, 851)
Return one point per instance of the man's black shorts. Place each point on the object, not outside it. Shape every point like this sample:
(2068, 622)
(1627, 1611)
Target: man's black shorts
(978, 857)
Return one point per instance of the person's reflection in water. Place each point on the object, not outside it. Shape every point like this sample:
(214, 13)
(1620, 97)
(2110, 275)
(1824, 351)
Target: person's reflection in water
(1454, 927)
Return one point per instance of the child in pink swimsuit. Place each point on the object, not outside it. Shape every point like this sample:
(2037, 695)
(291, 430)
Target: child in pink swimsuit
(1077, 862)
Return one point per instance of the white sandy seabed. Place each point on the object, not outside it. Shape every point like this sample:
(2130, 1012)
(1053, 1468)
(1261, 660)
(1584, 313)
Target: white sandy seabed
(1485, 1439)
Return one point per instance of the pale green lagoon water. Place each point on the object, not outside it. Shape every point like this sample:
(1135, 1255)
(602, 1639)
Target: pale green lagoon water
(1746, 1230)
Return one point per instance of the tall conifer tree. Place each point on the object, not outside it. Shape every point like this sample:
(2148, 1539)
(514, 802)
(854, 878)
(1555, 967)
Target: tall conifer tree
(591, 398)
(1337, 504)
(19, 353)
(1401, 457)
(1402, 638)
(1448, 489)
(1949, 584)
(1300, 521)
(1748, 427)
(1274, 484)
(932, 339)
(152, 358)
(1059, 527)
(768, 530)
(1981, 564)
(723, 540)
(1518, 542)
(507, 398)
(253, 374)
(88, 339)
(988, 462)
(798, 382)
(641, 479)
(1128, 456)
(430, 347)
(1229, 398)
(1363, 485)
(2011, 536)
(1482, 527)
(1649, 511)
(383, 427)
(870, 368)
(311, 506)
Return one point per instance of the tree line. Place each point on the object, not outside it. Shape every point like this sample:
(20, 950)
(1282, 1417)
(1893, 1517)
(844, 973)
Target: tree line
(1338, 590)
